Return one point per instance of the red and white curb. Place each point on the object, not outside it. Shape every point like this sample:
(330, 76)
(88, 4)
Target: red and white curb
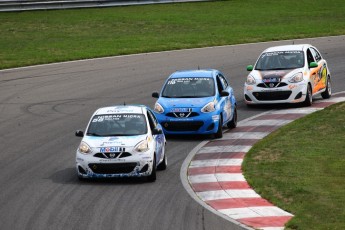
(212, 172)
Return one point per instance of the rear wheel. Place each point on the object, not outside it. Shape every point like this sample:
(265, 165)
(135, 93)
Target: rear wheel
(163, 165)
(309, 98)
(328, 92)
(233, 123)
(219, 133)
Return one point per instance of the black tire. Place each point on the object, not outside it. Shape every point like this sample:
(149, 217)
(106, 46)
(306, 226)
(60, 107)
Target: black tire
(153, 176)
(309, 98)
(328, 92)
(163, 165)
(219, 133)
(233, 123)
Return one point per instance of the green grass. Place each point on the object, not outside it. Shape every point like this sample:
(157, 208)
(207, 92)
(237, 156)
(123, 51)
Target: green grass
(301, 168)
(36, 37)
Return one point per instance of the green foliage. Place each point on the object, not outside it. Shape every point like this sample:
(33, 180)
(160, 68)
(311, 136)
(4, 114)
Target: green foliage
(35, 37)
(300, 168)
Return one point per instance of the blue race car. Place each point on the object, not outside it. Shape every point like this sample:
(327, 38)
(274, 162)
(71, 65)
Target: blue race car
(196, 102)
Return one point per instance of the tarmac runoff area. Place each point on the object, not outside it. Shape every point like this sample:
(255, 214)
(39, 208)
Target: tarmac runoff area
(212, 172)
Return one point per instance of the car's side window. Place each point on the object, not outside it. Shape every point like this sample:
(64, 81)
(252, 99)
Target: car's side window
(224, 82)
(152, 120)
(316, 54)
(310, 57)
(219, 85)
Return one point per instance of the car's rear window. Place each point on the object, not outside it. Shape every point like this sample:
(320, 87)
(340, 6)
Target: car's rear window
(117, 125)
(189, 87)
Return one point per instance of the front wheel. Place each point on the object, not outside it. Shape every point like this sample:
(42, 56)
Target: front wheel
(163, 165)
(152, 177)
(309, 98)
(219, 133)
(233, 123)
(328, 92)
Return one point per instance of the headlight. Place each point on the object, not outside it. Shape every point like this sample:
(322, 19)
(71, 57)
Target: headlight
(158, 108)
(296, 78)
(209, 107)
(250, 80)
(142, 146)
(84, 148)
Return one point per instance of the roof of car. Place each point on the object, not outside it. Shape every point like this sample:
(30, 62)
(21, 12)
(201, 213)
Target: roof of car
(287, 48)
(117, 109)
(194, 73)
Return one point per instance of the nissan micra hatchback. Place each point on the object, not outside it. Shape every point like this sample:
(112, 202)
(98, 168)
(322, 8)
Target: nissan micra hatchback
(121, 141)
(288, 74)
(196, 102)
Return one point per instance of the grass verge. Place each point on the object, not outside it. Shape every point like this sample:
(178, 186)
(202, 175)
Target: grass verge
(37, 37)
(301, 168)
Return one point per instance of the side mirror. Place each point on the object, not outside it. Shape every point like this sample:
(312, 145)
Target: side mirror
(157, 131)
(155, 94)
(79, 133)
(224, 93)
(249, 67)
(313, 65)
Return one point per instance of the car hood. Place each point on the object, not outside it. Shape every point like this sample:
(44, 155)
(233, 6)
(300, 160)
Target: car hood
(119, 141)
(185, 102)
(264, 74)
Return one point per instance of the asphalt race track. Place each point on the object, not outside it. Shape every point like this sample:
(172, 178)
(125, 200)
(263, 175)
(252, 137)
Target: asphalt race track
(42, 106)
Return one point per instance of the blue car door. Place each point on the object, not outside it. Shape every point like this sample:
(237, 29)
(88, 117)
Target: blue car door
(225, 102)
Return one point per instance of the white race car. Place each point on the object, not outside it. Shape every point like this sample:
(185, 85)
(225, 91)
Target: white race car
(288, 74)
(121, 141)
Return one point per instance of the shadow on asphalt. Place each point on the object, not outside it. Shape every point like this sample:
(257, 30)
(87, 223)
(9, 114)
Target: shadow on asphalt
(69, 176)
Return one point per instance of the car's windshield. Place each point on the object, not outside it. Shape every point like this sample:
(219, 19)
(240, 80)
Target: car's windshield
(280, 60)
(117, 125)
(189, 87)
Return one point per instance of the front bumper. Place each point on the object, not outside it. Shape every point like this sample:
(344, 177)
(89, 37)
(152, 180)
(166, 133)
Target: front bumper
(291, 93)
(89, 166)
(206, 123)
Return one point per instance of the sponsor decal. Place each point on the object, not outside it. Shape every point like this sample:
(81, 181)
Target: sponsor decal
(215, 117)
(149, 139)
(181, 119)
(113, 138)
(112, 143)
(271, 80)
(111, 149)
(250, 88)
(115, 117)
(112, 160)
(173, 81)
(292, 86)
(181, 110)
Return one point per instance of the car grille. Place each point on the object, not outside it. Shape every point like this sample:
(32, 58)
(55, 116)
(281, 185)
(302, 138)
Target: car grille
(272, 85)
(112, 155)
(183, 125)
(113, 168)
(272, 96)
